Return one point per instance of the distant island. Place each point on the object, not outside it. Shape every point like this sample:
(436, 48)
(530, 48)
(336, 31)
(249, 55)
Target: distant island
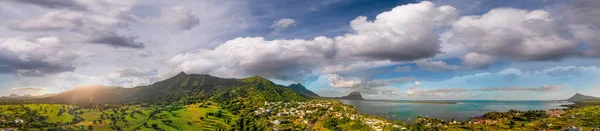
(352, 96)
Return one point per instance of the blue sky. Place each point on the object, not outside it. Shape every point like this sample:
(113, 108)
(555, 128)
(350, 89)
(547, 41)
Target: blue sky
(385, 49)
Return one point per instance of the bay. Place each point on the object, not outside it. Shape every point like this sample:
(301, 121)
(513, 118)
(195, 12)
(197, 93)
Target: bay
(408, 110)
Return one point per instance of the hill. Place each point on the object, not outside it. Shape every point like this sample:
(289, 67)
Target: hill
(302, 90)
(183, 88)
(580, 97)
(352, 96)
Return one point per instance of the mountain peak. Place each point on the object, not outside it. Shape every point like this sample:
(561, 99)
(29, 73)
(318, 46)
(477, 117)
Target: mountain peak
(355, 95)
(302, 90)
(579, 97)
(181, 74)
(257, 79)
(296, 85)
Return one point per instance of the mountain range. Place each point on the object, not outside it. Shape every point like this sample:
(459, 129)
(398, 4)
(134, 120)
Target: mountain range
(580, 97)
(186, 88)
(25, 97)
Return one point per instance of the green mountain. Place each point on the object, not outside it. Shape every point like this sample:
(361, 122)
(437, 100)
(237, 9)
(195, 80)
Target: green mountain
(184, 88)
(302, 90)
(580, 97)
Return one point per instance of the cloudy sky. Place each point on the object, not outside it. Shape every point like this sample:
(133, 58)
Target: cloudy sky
(467, 49)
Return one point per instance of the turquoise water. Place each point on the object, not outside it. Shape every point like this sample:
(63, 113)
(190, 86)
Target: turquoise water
(462, 110)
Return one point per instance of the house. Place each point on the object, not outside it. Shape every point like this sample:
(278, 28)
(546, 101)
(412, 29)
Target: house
(276, 122)
(574, 128)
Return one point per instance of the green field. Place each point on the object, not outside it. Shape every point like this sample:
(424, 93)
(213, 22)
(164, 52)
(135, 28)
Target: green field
(189, 117)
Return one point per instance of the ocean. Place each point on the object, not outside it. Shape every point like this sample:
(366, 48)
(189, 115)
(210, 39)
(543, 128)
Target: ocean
(407, 110)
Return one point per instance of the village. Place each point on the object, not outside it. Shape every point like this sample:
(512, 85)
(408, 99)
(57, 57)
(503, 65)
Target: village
(307, 114)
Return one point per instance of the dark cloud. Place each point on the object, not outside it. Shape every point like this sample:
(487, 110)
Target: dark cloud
(116, 40)
(584, 24)
(26, 57)
(104, 22)
(55, 4)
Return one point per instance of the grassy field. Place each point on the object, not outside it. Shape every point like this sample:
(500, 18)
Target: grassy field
(189, 117)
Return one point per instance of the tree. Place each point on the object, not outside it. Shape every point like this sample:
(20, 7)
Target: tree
(511, 124)
(154, 126)
(145, 124)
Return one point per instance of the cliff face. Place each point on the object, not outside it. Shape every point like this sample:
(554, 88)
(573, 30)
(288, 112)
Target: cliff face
(353, 96)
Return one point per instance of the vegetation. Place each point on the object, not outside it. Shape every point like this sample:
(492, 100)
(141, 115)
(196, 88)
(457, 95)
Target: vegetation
(582, 114)
(203, 102)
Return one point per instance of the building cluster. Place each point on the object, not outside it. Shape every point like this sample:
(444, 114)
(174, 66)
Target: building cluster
(310, 111)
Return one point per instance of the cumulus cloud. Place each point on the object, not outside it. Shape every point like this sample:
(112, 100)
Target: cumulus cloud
(180, 17)
(403, 34)
(36, 56)
(28, 88)
(512, 34)
(101, 22)
(436, 65)
(282, 59)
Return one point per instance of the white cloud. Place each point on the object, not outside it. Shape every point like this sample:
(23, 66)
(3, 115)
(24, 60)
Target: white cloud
(367, 86)
(337, 81)
(282, 59)
(436, 65)
(179, 16)
(477, 60)
(283, 23)
(512, 34)
(131, 77)
(405, 33)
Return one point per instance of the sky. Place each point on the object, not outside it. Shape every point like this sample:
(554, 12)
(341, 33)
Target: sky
(385, 49)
